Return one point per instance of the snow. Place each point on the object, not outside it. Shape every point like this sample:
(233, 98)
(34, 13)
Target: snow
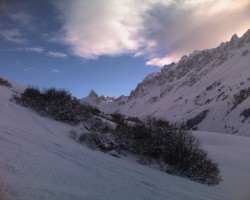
(39, 161)
(232, 153)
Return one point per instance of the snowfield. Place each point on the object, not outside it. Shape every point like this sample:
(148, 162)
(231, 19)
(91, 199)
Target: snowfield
(39, 161)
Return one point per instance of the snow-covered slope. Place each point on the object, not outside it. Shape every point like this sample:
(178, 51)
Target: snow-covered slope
(209, 89)
(39, 161)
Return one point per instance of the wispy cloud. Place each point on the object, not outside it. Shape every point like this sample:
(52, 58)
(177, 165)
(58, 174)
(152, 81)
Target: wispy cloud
(57, 54)
(55, 71)
(160, 30)
(13, 35)
(32, 49)
(16, 23)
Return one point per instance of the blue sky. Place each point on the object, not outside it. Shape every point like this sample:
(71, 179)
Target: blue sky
(108, 46)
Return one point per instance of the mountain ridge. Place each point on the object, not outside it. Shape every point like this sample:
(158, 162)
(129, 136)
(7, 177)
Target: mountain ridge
(208, 90)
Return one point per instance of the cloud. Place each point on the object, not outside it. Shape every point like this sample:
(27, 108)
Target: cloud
(57, 54)
(99, 28)
(160, 30)
(13, 35)
(194, 27)
(55, 71)
(32, 49)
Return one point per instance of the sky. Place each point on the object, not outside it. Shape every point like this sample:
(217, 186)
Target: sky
(108, 45)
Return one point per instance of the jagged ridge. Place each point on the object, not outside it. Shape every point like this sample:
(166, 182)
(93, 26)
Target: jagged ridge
(216, 80)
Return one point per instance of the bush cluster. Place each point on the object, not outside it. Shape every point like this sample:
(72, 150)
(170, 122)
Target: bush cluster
(5, 82)
(98, 140)
(176, 147)
(159, 140)
(57, 103)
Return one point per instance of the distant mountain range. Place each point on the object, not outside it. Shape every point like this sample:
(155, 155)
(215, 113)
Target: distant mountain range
(208, 90)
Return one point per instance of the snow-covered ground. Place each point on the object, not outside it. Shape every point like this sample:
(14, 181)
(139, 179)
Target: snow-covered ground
(39, 161)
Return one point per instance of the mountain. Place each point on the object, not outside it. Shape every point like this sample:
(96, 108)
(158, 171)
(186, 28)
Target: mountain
(95, 100)
(208, 90)
(40, 161)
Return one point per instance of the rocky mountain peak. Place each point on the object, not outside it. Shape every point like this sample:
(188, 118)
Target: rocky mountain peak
(234, 38)
(95, 100)
(93, 94)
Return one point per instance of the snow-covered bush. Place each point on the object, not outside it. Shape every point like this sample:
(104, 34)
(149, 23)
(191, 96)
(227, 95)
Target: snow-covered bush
(176, 147)
(104, 142)
(117, 118)
(97, 124)
(5, 82)
(32, 97)
(73, 134)
(62, 106)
